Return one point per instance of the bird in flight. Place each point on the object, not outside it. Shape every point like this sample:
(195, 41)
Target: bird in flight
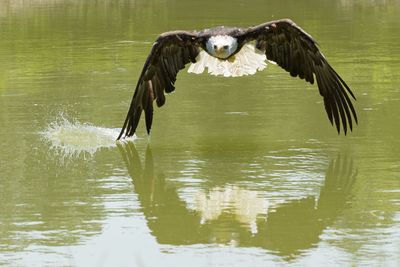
(233, 52)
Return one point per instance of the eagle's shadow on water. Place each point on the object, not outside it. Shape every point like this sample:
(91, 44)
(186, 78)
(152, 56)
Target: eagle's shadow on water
(290, 229)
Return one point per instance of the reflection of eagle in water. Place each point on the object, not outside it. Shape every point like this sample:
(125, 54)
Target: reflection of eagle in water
(235, 52)
(291, 227)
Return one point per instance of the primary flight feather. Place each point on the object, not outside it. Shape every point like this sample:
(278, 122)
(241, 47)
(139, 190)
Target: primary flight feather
(232, 52)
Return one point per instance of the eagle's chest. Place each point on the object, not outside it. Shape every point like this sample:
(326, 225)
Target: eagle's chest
(247, 61)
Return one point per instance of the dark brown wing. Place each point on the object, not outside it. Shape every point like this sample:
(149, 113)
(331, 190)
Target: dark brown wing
(170, 53)
(296, 51)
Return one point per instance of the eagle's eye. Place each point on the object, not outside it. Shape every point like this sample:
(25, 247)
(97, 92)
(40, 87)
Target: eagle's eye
(215, 47)
(226, 47)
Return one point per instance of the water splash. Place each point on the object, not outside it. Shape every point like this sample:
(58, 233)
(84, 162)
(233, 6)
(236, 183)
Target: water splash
(73, 138)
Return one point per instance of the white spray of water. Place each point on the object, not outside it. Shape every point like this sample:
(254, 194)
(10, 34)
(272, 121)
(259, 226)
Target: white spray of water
(73, 138)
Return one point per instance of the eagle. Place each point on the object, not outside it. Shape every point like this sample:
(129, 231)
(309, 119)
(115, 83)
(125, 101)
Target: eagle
(233, 52)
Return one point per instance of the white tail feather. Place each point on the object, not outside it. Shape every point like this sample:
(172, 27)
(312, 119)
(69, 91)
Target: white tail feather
(247, 61)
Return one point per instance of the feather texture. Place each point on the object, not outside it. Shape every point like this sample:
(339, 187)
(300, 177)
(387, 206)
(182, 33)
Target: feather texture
(296, 51)
(169, 54)
(280, 41)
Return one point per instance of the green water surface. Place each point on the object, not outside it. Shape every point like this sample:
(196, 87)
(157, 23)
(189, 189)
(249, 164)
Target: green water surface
(243, 171)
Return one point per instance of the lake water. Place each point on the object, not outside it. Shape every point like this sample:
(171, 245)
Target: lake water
(238, 172)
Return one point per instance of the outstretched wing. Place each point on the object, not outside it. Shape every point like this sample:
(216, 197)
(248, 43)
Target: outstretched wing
(170, 53)
(296, 51)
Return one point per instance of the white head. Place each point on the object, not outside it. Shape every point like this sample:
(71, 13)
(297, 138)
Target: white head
(221, 46)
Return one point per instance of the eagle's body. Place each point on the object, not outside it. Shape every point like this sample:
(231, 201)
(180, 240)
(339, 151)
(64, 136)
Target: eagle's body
(232, 52)
(227, 60)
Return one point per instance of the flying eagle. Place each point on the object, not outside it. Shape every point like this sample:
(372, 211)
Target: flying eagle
(232, 52)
